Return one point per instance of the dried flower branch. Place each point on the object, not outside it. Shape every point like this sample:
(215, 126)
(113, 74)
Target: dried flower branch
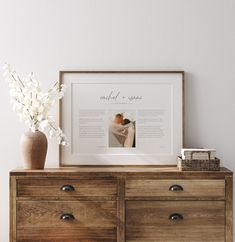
(32, 104)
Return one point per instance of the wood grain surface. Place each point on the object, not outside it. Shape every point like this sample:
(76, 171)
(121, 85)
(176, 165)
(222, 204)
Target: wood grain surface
(160, 188)
(82, 187)
(149, 221)
(120, 204)
(93, 221)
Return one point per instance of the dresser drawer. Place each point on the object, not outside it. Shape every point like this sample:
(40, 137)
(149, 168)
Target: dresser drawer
(67, 188)
(66, 221)
(178, 221)
(175, 188)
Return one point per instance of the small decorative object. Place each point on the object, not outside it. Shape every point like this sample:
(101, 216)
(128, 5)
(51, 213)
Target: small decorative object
(34, 149)
(32, 106)
(204, 160)
(122, 117)
(198, 154)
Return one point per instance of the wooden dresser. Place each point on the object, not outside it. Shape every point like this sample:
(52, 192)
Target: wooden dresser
(117, 204)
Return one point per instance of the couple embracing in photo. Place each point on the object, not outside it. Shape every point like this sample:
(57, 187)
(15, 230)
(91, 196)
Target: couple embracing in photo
(122, 132)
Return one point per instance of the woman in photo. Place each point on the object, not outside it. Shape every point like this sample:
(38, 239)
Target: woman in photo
(123, 130)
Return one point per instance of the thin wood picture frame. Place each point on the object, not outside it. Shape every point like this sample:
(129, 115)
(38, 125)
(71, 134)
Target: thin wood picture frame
(90, 80)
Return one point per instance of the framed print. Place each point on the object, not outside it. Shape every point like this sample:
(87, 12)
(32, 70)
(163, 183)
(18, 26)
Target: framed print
(122, 117)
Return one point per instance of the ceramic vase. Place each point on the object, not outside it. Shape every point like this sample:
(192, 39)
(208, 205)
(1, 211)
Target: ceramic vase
(33, 149)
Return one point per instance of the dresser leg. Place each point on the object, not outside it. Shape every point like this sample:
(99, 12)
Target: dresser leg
(12, 214)
(229, 209)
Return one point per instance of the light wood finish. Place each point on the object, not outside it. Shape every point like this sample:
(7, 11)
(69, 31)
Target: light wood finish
(48, 213)
(82, 187)
(148, 221)
(93, 221)
(66, 235)
(229, 208)
(13, 224)
(121, 210)
(160, 188)
(164, 172)
(118, 204)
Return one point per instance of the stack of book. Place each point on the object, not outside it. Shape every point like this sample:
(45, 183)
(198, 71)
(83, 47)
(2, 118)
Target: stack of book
(198, 160)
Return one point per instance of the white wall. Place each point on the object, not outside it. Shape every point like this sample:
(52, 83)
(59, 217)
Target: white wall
(195, 36)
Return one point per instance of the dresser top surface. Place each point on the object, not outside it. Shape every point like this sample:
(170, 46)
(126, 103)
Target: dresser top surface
(118, 171)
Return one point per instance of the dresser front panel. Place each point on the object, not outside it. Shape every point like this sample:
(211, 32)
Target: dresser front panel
(151, 221)
(132, 204)
(54, 187)
(162, 188)
(92, 220)
(67, 235)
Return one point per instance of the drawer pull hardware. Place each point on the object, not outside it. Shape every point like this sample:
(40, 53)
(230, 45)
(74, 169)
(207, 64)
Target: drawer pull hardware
(176, 216)
(67, 188)
(67, 216)
(176, 188)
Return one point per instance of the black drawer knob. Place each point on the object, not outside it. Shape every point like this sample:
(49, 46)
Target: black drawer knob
(67, 216)
(176, 216)
(67, 188)
(176, 188)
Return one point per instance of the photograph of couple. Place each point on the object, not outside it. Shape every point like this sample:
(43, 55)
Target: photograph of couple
(122, 130)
